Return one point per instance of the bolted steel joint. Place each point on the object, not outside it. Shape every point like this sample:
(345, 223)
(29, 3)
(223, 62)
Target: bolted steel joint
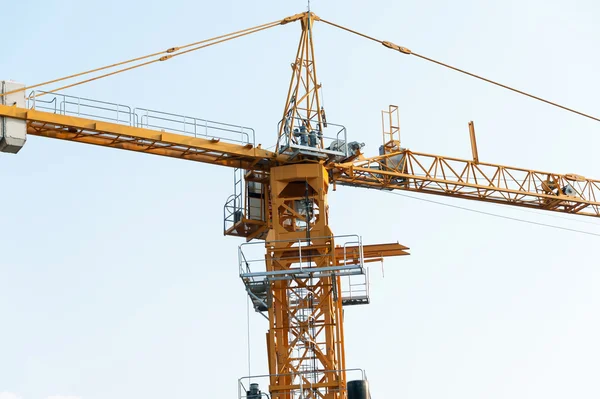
(394, 46)
(292, 18)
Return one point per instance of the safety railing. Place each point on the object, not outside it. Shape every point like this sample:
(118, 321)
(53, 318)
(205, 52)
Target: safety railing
(196, 127)
(233, 210)
(251, 387)
(251, 258)
(63, 104)
(303, 259)
(334, 142)
(355, 289)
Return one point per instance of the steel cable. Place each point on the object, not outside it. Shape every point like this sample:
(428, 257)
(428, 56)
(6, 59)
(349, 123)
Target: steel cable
(163, 58)
(406, 51)
(516, 219)
(169, 53)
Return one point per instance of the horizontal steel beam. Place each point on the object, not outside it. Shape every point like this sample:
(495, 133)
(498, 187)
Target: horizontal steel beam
(467, 179)
(144, 140)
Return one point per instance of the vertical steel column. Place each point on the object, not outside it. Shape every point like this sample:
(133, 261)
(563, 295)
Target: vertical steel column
(305, 339)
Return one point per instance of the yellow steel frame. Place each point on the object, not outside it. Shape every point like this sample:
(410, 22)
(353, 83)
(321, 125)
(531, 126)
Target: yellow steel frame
(390, 123)
(253, 228)
(306, 354)
(305, 341)
(468, 179)
(303, 100)
(138, 139)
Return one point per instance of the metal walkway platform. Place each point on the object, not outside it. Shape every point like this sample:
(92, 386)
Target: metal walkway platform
(349, 267)
(62, 104)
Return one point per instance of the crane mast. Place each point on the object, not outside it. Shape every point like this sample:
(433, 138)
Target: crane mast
(305, 340)
(295, 270)
(302, 286)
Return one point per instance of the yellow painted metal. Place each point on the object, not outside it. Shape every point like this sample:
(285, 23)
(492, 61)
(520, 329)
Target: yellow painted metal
(390, 124)
(160, 56)
(306, 336)
(460, 178)
(142, 140)
(370, 253)
(471, 179)
(305, 339)
(303, 107)
(473, 142)
(249, 226)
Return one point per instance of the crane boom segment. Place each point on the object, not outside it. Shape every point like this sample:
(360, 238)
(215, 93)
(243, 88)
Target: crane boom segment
(454, 177)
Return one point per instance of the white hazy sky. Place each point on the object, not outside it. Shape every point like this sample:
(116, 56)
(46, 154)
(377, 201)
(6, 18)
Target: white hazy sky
(117, 283)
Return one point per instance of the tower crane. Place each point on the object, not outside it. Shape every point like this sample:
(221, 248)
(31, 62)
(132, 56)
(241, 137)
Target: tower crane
(298, 274)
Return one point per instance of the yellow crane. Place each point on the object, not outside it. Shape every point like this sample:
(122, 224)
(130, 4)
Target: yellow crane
(304, 273)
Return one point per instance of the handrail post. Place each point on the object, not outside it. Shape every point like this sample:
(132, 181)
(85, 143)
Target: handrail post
(300, 252)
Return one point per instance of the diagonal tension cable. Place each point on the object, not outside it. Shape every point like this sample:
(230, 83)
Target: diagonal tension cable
(516, 219)
(163, 58)
(407, 51)
(165, 55)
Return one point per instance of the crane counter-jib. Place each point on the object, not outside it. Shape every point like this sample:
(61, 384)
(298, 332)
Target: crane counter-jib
(208, 150)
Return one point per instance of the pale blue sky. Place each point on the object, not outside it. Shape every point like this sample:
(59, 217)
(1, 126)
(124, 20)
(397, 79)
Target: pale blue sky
(116, 281)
